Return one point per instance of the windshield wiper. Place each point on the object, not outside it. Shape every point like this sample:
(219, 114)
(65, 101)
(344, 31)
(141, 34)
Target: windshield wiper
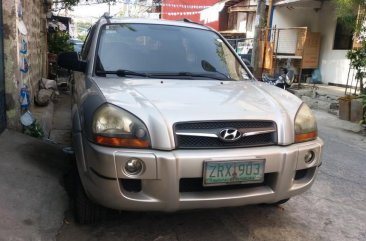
(121, 73)
(189, 74)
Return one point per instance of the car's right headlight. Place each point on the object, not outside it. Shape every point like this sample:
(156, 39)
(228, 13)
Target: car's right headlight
(113, 126)
(305, 125)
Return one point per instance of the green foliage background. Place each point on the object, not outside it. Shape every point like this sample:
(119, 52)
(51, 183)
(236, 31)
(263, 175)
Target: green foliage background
(345, 9)
(57, 42)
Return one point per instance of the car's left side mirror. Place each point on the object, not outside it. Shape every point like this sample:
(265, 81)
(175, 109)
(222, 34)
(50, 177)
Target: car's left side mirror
(70, 61)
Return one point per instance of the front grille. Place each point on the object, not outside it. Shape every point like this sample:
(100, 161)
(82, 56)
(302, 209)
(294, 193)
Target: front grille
(223, 124)
(195, 184)
(201, 142)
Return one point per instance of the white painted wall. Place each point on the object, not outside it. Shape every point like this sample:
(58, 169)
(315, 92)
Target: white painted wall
(333, 63)
(284, 17)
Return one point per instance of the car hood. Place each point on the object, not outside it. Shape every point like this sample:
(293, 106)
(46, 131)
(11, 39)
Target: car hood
(161, 103)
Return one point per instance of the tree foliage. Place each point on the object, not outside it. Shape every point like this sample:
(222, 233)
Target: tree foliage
(346, 10)
(57, 42)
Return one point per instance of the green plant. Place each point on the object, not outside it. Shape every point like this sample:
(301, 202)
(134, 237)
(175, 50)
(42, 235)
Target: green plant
(363, 97)
(346, 10)
(358, 61)
(57, 42)
(34, 130)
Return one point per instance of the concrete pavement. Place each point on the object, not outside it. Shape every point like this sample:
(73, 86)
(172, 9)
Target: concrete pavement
(319, 96)
(32, 199)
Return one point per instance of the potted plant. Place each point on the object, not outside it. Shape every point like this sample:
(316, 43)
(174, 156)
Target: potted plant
(363, 121)
(351, 107)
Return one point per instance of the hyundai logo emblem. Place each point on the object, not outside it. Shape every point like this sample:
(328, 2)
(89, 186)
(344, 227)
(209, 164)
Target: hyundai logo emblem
(229, 134)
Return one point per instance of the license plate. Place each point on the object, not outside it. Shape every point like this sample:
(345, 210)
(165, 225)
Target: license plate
(233, 172)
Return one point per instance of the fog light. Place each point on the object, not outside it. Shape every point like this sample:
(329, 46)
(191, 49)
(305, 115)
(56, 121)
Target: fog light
(134, 166)
(309, 157)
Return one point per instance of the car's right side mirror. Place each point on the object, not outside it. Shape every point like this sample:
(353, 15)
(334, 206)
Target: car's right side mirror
(70, 61)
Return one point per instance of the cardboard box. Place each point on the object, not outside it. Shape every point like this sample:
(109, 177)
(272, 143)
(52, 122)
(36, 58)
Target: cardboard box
(300, 43)
(344, 109)
(310, 58)
(356, 112)
(309, 49)
(312, 40)
(268, 57)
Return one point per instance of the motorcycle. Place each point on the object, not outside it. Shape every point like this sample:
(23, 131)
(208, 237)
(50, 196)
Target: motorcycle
(284, 80)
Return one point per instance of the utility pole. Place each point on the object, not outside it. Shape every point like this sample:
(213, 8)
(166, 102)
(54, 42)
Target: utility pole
(109, 7)
(270, 8)
(259, 23)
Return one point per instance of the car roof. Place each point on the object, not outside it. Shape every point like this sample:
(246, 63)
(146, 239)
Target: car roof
(178, 23)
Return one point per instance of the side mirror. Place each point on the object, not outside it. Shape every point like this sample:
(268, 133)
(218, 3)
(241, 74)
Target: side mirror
(70, 61)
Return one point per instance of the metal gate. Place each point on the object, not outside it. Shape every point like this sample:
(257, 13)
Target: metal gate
(2, 79)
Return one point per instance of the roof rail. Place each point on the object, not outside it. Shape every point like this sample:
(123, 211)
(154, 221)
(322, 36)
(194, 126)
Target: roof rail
(107, 17)
(187, 20)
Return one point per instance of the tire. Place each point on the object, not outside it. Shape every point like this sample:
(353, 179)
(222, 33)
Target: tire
(280, 202)
(86, 211)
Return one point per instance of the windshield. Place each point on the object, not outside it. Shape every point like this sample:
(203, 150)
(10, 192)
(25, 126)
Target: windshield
(162, 50)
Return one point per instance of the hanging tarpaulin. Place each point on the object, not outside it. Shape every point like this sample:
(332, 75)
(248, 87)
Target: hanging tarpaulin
(211, 14)
(56, 25)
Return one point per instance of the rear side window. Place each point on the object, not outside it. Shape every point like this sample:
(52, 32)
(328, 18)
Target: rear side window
(86, 47)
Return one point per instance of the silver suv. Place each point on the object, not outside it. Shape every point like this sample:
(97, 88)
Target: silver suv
(167, 117)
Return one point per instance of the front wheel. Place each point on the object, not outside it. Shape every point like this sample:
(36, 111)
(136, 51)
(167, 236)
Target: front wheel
(86, 211)
(280, 202)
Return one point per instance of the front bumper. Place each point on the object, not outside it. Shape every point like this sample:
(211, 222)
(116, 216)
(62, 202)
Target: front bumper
(163, 186)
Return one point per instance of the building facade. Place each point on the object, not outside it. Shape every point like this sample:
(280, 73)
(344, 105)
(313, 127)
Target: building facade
(2, 79)
(231, 17)
(25, 53)
(190, 9)
(320, 17)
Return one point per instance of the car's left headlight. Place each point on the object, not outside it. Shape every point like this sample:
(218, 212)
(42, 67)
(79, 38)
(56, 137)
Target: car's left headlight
(305, 125)
(113, 126)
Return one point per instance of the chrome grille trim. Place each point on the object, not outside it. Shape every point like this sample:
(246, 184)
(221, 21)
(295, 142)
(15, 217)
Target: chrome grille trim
(209, 133)
(214, 132)
(199, 135)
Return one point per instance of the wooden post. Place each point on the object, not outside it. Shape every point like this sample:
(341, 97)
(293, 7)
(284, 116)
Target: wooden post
(259, 22)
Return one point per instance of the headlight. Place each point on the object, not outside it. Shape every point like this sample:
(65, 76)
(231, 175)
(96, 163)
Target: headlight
(305, 125)
(113, 126)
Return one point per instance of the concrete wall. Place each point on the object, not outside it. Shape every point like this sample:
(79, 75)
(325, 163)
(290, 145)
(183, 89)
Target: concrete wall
(34, 19)
(333, 63)
(165, 9)
(284, 17)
